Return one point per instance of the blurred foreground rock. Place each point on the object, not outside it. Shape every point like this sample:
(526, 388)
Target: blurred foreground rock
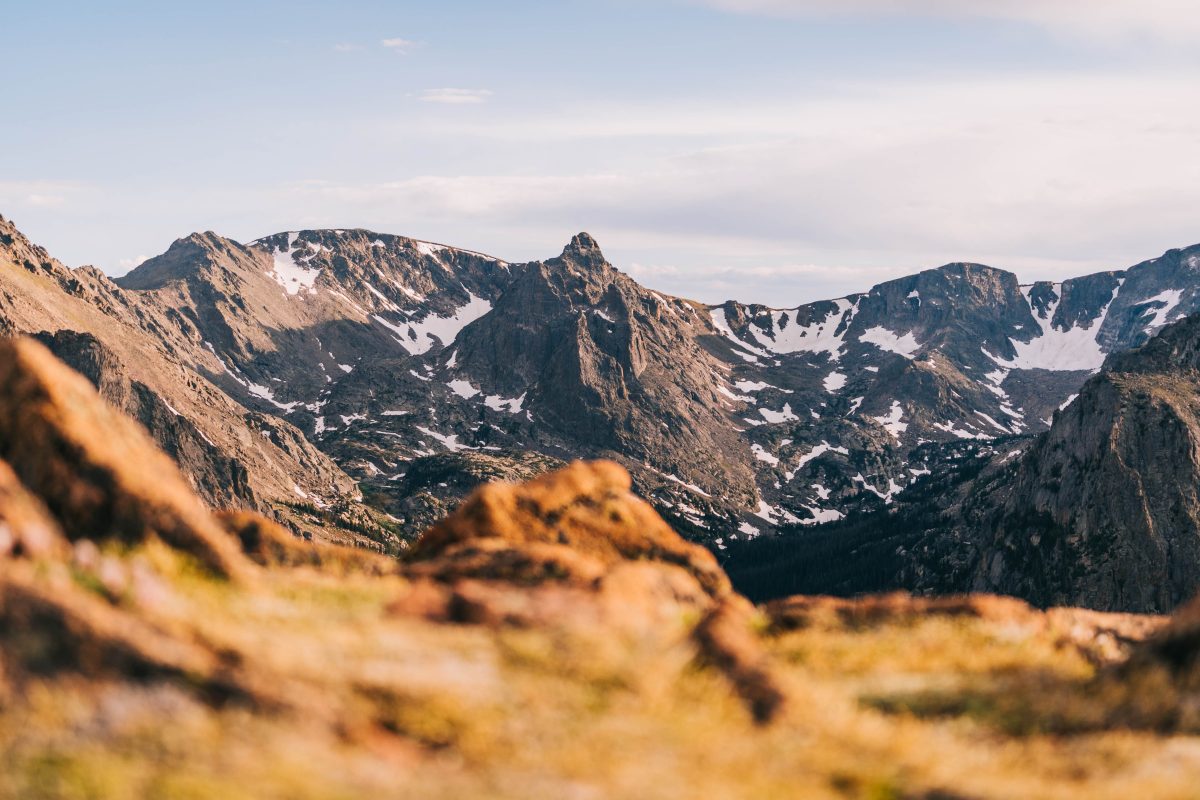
(553, 638)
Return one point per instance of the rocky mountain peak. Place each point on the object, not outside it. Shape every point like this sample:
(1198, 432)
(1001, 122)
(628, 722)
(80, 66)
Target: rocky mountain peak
(970, 281)
(8, 231)
(1176, 348)
(585, 252)
(582, 244)
(195, 253)
(20, 250)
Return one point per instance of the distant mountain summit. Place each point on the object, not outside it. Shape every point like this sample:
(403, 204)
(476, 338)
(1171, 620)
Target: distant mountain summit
(358, 371)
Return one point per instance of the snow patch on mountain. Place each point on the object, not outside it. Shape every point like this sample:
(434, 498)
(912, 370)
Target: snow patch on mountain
(289, 274)
(819, 337)
(255, 389)
(821, 515)
(419, 337)
(498, 403)
(833, 382)
(463, 389)
(1058, 349)
(888, 341)
(785, 415)
(451, 443)
(892, 421)
(722, 326)
(740, 398)
(773, 514)
(993, 423)
(821, 449)
(885, 495)
(429, 248)
(763, 455)
(961, 433)
(1169, 300)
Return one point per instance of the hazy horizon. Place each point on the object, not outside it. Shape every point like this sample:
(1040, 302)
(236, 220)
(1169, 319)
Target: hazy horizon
(772, 151)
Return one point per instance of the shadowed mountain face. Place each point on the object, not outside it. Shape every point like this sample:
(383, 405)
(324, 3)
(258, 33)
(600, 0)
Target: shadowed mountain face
(1102, 510)
(320, 374)
(148, 360)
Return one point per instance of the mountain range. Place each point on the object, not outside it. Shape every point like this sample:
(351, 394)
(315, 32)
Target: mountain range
(355, 385)
(1099, 511)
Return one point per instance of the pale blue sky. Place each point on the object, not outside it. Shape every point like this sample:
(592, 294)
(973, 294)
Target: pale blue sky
(770, 150)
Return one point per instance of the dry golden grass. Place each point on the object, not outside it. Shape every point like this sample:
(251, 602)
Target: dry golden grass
(552, 640)
(365, 702)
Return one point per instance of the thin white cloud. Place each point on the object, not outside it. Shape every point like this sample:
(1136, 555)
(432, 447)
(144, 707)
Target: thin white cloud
(127, 264)
(45, 200)
(456, 96)
(346, 47)
(1049, 175)
(399, 45)
(37, 194)
(1170, 20)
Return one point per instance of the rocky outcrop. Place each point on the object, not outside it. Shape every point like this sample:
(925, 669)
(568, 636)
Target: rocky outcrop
(575, 538)
(1103, 510)
(27, 530)
(586, 509)
(96, 470)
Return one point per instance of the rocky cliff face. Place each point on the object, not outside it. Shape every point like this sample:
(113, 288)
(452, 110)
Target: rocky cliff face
(1103, 510)
(147, 360)
(958, 353)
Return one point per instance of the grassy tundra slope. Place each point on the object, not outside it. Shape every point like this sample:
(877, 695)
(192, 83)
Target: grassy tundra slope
(551, 639)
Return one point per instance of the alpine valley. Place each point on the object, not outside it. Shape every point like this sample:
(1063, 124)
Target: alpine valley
(355, 386)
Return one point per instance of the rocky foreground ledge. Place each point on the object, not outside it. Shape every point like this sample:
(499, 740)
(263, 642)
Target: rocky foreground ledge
(550, 639)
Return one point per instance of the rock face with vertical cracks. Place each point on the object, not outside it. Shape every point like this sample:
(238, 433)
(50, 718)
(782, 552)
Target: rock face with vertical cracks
(1103, 510)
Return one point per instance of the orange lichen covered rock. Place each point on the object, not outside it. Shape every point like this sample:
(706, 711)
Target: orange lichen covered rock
(96, 470)
(575, 550)
(1101, 637)
(26, 528)
(800, 611)
(586, 507)
(726, 638)
(495, 559)
(268, 544)
(1159, 685)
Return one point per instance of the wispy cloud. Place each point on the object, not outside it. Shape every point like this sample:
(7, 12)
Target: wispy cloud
(346, 47)
(456, 96)
(400, 45)
(1046, 175)
(1167, 20)
(45, 200)
(127, 264)
(38, 194)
